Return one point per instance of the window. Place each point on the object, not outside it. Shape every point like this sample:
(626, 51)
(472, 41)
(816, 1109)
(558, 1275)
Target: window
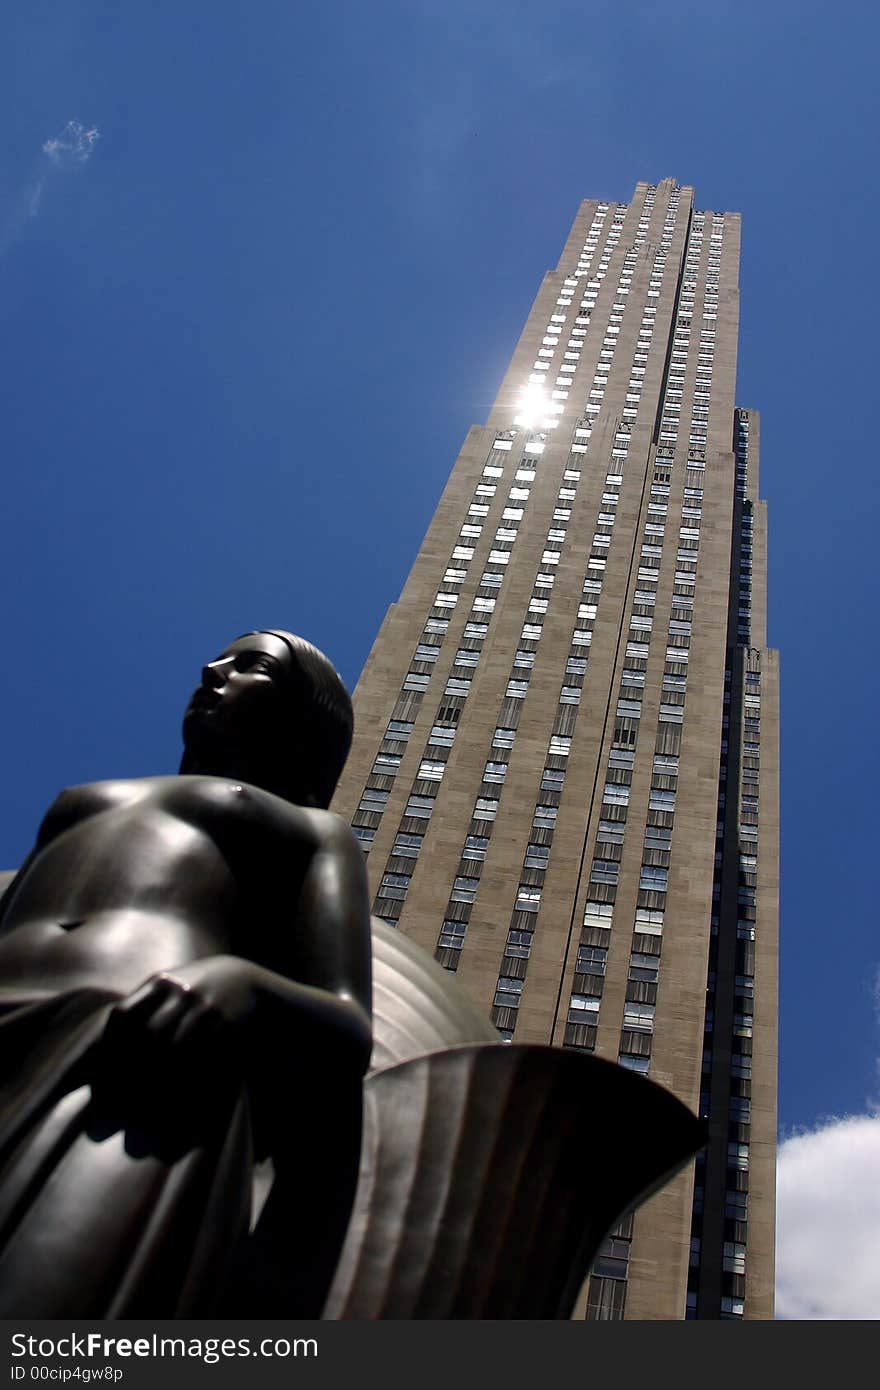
(464, 657)
(373, 800)
(508, 992)
(420, 807)
(639, 1064)
(464, 889)
(605, 871)
(407, 846)
(394, 886)
(503, 738)
(736, 1205)
(638, 1018)
(591, 960)
(494, 772)
(386, 764)
(653, 878)
(519, 943)
(431, 769)
(443, 734)
(452, 935)
(399, 728)
(658, 837)
(560, 746)
(611, 831)
(644, 967)
(486, 808)
(528, 899)
(475, 847)
(584, 1004)
(597, 914)
(734, 1257)
(552, 779)
(415, 681)
(616, 794)
(544, 817)
(537, 856)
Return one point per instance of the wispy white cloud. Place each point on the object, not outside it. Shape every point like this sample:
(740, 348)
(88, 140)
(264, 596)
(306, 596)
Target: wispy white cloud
(828, 1218)
(74, 144)
(72, 147)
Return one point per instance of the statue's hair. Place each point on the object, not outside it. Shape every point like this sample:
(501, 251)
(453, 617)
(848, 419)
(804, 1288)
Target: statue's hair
(329, 717)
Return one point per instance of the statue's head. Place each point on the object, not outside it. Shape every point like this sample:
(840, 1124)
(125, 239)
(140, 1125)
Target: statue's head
(271, 710)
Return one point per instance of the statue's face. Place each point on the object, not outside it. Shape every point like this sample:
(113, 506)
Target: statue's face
(243, 696)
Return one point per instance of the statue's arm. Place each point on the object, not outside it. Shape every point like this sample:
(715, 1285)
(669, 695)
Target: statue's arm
(320, 1005)
(11, 878)
(9, 881)
(329, 1002)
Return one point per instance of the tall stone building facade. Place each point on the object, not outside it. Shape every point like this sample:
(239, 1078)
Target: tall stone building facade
(565, 769)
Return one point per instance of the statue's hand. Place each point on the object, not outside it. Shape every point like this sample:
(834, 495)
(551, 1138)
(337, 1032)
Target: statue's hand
(179, 1032)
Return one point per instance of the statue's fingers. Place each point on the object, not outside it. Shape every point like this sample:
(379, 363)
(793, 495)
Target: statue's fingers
(198, 1029)
(137, 1007)
(173, 1008)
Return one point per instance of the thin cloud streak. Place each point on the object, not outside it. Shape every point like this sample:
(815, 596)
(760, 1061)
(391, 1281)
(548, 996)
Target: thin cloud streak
(72, 147)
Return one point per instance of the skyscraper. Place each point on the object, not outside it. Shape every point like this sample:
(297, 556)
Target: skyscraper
(565, 769)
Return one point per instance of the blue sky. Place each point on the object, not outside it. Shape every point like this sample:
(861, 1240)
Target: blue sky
(243, 338)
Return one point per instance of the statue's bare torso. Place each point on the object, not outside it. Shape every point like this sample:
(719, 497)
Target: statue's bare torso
(132, 878)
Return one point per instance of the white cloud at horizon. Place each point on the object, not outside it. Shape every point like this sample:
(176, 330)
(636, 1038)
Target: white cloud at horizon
(828, 1217)
(828, 1221)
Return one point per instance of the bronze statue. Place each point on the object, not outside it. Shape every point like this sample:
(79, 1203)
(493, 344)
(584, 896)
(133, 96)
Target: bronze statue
(184, 984)
(185, 988)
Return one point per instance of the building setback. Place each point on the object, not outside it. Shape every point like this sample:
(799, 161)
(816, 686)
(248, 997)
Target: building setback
(565, 768)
